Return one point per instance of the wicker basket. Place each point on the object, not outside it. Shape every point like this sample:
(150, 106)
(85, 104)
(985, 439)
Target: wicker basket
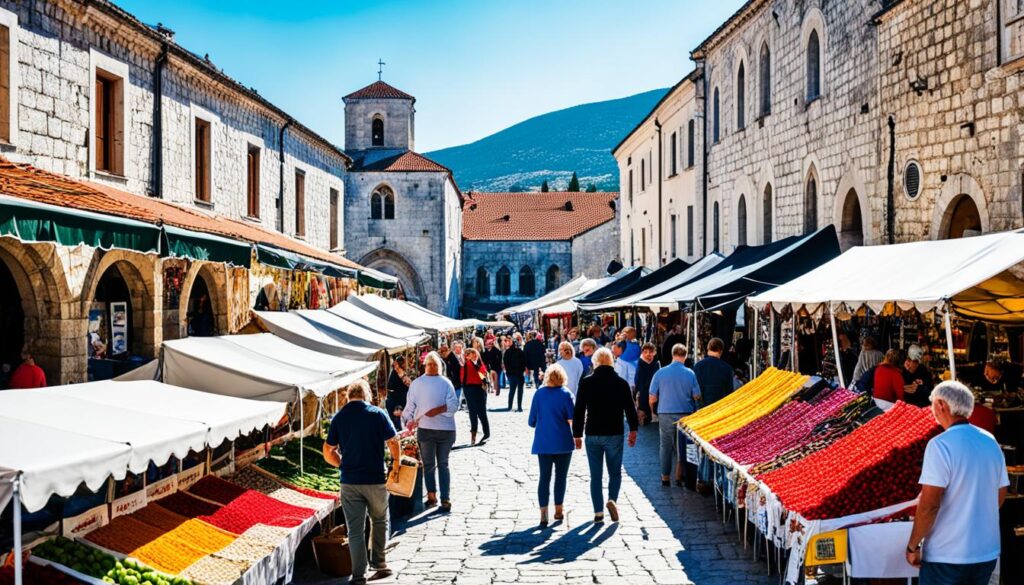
(406, 483)
(332, 553)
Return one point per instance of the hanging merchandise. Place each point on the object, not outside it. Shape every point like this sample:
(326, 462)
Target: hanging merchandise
(239, 300)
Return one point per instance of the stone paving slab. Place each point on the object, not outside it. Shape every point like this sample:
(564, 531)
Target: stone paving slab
(666, 535)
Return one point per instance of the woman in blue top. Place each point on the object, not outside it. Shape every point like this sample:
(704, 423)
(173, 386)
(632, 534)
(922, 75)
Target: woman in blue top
(551, 417)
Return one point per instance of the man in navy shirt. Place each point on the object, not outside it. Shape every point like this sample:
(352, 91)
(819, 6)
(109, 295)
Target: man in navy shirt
(355, 443)
(714, 375)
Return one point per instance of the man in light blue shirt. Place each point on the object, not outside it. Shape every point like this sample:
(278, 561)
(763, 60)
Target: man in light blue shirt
(674, 394)
(955, 538)
(430, 408)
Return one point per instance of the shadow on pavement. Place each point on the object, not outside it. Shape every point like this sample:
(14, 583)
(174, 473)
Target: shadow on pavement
(570, 545)
(520, 542)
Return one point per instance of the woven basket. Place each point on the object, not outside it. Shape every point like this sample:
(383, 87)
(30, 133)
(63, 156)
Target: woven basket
(332, 553)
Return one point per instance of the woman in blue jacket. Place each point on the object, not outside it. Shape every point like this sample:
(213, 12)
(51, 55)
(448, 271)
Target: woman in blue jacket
(551, 419)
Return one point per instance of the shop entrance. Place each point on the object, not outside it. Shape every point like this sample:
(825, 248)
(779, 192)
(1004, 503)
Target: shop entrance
(12, 322)
(852, 232)
(115, 338)
(964, 219)
(201, 321)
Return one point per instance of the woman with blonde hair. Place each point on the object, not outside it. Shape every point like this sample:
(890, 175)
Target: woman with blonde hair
(551, 418)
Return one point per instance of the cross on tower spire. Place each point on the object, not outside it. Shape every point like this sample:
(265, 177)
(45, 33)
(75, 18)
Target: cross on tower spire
(380, 69)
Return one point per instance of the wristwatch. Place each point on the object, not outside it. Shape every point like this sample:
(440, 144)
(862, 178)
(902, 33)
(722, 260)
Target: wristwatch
(915, 549)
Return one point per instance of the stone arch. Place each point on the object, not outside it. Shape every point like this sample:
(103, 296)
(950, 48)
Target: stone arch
(811, 169)
(745, 188)
(852, 183)
(956, 187)
(740, 74)
(42, 291)
(391, 262)
(765, 182)
(138, 271)
(377, 130)
(814, 21)
(214, 275)
(383, 200)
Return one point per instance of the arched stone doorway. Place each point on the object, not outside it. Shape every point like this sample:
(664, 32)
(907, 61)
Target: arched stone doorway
(394, 264)
(12, 318)
(961, 219)
(119, 306)
(202, 310)
(851, 232)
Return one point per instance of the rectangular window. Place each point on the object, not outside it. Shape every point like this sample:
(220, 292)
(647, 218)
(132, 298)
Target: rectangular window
(252, 182)
(630, 187)
(689, 230)
(673, 223)
(334, 219)
(5, 85)
(105, 124)
(632, 249)
(643, 246)
(643, 174)
(300, 204)
(202, 161)
(689, 143)
(674, 157)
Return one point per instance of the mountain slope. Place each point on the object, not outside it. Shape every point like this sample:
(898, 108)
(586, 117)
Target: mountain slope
(550, 147)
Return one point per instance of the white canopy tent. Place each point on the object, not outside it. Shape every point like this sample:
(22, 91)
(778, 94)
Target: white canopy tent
(337, 325)
(692, 273)
(290, 326)
(563, 293)
(351, 312)
(408, 314)
(259, 367)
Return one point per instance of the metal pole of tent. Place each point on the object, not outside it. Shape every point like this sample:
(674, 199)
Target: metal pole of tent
(757, 342)
(696, 340)
(302, 434)
(771, 336)
(949, 344)
(16, 504)
(793, 353)
(835, 345)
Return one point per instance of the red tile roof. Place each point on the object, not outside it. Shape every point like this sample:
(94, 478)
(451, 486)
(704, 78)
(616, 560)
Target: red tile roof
(27, 182)
(534, 216)
(379, 90)
(405, 162)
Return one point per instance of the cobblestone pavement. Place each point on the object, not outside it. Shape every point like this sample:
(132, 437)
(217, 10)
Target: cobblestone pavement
(665, 535)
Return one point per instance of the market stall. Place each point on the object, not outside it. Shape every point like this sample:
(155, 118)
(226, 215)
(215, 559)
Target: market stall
(655, 284)
(408, 314)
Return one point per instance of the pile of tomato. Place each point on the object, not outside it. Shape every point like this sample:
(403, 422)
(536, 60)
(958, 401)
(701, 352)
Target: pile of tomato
(253, 508)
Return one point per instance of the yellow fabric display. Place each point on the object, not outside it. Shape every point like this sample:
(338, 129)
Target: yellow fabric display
(755, 399)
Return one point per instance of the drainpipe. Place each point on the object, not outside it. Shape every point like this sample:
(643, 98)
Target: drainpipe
(157, 170)
(661, 180)
(704, 172)
(890, 203)
(280, 192)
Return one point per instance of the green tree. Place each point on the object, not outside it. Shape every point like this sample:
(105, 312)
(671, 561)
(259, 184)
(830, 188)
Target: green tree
(592, 188)
(574, 183)
(517, 188)
(544, 187)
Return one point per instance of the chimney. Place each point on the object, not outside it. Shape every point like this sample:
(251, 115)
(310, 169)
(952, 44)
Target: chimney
(568, 205)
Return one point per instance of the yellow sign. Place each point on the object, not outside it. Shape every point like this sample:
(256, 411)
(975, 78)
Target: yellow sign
(828, 548)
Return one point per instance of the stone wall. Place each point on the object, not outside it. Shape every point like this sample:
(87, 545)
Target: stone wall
(540, 256)
(593, 250)
(399, 123)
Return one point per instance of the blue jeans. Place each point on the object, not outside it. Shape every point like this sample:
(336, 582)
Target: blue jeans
(949, 574)
(668, 430)
(560, 461)
(608, 448)
(515, 384)
(435, 446)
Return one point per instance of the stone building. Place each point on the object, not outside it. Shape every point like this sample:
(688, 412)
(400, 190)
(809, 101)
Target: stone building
(519, 246)
(403, 211)
(659, 176)
(894, 120)
(116, 119)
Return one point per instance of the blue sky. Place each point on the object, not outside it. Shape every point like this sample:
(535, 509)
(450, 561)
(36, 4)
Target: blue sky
(474, 67)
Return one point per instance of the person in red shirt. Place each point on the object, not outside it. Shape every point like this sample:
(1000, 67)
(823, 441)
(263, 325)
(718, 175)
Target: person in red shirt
(28, 374)
(889, 377)
(984, 418)
(474, 376)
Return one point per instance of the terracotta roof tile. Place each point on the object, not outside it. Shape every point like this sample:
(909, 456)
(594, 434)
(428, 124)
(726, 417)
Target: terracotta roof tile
(534, 216)
(404, 162)
(27, 182)
(379, 90)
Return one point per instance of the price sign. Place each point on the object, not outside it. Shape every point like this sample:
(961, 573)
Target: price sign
(246, 458)
(85, 522)
(691, 454)
(189, 476)
(162, 488)
(128, 504)
(827, 549)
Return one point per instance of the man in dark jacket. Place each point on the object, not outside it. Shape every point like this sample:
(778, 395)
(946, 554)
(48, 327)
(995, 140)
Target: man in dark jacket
(453, 363)
(675, 336)
(514, 362)
(492, 359)
(536, 356)
(714, 375)
(646, 367)
(602, 401)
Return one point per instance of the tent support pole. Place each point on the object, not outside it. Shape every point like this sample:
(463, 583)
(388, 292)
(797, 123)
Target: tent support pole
(835, 344)
(794, 355)
(302, 434)
(696, 339)
(771, 336)
(16, 506)
(757, 341)
(949, 344)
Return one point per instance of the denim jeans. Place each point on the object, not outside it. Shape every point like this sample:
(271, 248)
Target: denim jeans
(356, 502)
(515, 384)
(476, 400)
(668, 431)
(435, 446)
(538, 377)
(502, 379)
(606, 449)
(560, 462)
(949, 574)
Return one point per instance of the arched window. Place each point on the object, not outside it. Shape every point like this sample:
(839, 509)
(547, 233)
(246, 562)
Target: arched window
(766, 207)
(741, 97)
(690, 147)
(382, 203)
(813, 66)
(741, 221)
(716, 119)
(377, 128)
(503, 282)
(811, 203)
(766, 80)
(715, 240)
(483, 283)
(553, 279)
(527, 286)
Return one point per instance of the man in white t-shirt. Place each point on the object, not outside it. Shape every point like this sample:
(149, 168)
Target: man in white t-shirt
(572, 365)
(955, 539)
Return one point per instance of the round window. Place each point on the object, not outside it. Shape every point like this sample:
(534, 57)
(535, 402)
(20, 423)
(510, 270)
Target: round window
(912, 180)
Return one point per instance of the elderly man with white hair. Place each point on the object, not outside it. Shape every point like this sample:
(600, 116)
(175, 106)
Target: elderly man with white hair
(430, 408)
(955, 539)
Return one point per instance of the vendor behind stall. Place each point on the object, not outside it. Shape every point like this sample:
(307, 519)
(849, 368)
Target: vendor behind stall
(917, 379)
(994, 379)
